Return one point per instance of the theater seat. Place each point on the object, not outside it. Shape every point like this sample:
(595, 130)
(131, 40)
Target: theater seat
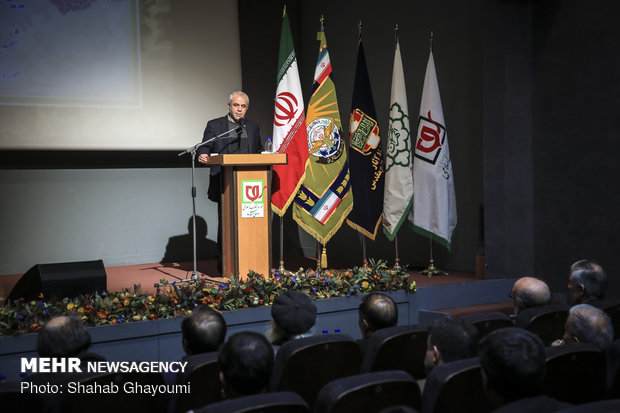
(203, 372)
(277, 402)
(369, 392)
(13, 400)
(305, 365)
(396, 348)
(613, 369)
(488, 322)
(603, 406)
(455, 387)
(612, 308)
(547, 321)
(575, 373)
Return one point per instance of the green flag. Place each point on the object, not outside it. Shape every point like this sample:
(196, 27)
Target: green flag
(324, 199)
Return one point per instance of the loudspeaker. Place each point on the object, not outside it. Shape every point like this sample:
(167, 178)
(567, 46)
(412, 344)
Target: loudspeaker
(67, 279)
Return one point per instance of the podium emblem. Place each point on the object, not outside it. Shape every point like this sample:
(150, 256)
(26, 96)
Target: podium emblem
(252, 203)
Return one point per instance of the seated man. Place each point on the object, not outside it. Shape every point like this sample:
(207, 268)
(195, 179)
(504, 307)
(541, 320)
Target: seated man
(376, 311)
(513, 368)
(246, 361)
(203, 331)
(587, 282)
(449, 339)
(529, 292)
(293, 315)
(62, 336)
(65, 336)
(587, 324)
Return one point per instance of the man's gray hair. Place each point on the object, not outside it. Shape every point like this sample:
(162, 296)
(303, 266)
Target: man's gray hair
(590, 325)
(239, 92)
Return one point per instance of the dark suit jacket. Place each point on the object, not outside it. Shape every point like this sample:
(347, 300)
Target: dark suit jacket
(216, 127)
(219, 126)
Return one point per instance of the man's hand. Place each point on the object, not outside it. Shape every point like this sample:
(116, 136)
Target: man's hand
(203, 158)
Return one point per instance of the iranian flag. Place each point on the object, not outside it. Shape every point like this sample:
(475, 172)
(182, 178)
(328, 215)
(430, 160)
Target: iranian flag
(289, 126)
(434, 200)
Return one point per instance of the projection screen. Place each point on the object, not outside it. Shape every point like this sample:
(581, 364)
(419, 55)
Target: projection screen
(114, 74)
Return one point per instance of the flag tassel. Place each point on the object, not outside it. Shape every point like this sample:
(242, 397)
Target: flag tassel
(324, 258)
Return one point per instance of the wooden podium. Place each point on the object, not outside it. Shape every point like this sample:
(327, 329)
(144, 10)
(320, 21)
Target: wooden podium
(246, 211)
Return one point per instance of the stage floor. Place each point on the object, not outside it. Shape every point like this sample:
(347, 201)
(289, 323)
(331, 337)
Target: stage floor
(147, 275)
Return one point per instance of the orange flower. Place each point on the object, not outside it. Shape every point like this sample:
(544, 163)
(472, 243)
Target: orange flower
(153, 316)
(35, 327)
(103, 313)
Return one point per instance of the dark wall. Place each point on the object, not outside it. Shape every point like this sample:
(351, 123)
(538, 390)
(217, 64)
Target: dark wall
(457, 50)
(576, 86)
(507, 114)
(551, 87)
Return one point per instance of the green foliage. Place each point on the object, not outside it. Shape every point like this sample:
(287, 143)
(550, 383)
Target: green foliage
(178, 300)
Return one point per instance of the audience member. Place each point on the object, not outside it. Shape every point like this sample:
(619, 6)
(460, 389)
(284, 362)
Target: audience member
(587, 282)
(203, 331)
(529, 292)
(65, 336)
(62, 336)
(376, 311)
(587, 324)
(449, 339)
(293, 315)
(513, 369)
(246, 361)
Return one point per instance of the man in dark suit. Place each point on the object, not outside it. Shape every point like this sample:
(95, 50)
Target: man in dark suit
(244, 137)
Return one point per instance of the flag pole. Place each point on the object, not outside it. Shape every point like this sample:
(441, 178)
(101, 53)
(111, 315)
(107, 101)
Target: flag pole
(432, 270)
(396, 259)
(281, 268)
(364, 252)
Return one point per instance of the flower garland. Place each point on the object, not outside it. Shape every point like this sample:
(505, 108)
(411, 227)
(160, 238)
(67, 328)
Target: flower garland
(178, 299)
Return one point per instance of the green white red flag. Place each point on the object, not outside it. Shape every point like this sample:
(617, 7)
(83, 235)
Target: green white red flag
(289, 126)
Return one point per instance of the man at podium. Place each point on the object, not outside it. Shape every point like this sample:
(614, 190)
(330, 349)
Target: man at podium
(243, 137)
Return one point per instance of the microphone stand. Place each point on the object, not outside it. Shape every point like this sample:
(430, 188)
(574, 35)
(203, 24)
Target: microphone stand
(192, 151)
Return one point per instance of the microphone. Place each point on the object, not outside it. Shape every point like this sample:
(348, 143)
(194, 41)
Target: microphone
(240, 125)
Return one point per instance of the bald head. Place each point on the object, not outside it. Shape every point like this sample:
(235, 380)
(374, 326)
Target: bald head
(377, 311)
(62, 337)
(203, 331)
(588, 324)
(530, 292)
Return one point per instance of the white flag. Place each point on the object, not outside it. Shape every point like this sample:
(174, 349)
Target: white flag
(398, 195)
(434, 201)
